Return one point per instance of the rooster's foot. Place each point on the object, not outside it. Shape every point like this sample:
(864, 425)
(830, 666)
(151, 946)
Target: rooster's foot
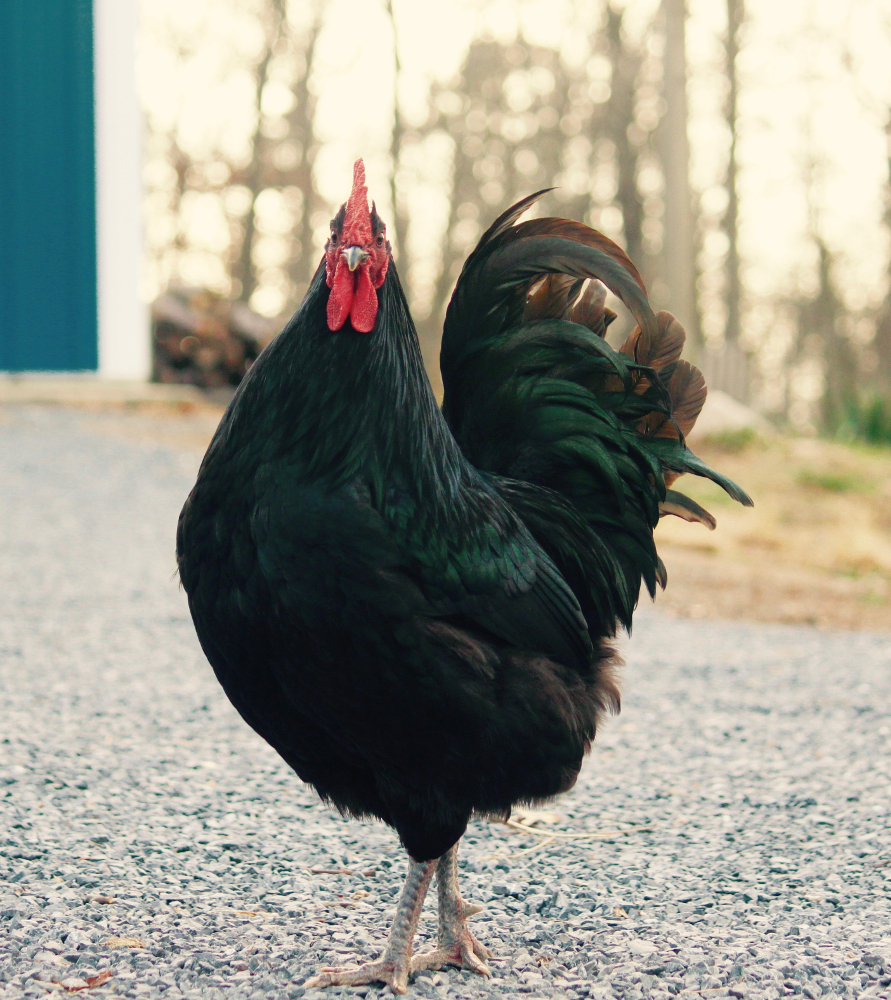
(465, 953)
(394, 965)
(457, 945)
(385, 970)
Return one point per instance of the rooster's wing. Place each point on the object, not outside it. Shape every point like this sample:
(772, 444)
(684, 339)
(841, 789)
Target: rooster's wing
(478, 567)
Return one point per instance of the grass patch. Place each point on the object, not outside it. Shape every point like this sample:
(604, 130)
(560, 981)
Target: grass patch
(830, 482)
(856, 569)
(867, 420)
(734, 441)
(874, 600)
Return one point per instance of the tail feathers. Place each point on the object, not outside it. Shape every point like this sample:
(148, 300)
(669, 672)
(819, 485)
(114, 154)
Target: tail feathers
(589, 309)
(491, 295)
(536, 396)
(550, 298)
(682, 506)
(687, 391)
(657, 352)
(683, 382)
(577, 232)
(561, 296)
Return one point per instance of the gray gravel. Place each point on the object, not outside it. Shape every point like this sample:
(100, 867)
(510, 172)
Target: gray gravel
(728, 836)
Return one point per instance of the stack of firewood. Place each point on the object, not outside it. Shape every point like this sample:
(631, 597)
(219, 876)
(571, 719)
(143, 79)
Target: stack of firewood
(200, 338)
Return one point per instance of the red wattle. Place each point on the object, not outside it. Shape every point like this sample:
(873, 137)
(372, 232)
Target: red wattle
(363, 312)
(340, 300)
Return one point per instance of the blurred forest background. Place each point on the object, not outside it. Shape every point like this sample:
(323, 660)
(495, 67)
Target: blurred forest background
(739, 150)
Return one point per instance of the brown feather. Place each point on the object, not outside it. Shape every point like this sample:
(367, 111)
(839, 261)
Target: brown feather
(639, 381)
(685, 384)
(670, 342)
(656, 424)
(689, 510)
(664, 350)
(589, 309)
(549, 297)
(557, 296)
(629, 348)
(687, 390)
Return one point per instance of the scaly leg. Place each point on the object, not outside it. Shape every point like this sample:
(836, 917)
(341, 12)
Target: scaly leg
(457, 946)
(394, 965)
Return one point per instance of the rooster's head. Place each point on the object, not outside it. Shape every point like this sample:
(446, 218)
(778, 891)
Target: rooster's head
(357, 256)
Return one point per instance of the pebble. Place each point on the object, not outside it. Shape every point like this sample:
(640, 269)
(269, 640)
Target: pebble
(728, 837)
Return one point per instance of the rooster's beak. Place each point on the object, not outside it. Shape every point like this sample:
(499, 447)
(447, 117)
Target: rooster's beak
(354, 256)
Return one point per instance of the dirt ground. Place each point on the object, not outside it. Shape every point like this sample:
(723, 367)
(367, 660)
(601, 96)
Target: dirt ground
(816, 548)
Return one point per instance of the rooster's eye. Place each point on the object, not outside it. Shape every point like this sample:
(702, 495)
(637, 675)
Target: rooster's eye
(380, 241)
(333, 237)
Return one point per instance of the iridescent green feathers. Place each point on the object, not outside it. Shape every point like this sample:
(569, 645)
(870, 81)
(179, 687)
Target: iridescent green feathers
(566, 425)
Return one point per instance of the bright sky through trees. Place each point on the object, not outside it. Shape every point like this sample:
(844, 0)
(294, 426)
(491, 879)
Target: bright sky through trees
(815, 78)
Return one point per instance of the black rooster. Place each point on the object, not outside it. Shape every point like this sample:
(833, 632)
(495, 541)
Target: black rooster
(414, 606)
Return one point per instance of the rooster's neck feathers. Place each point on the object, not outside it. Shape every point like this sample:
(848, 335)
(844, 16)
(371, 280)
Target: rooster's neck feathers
(342, 405)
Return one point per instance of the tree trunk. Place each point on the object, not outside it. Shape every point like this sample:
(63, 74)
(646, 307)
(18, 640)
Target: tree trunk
(400, 221)
(882, 342)
(735, 14)
(679, 249)
(243, 269)
(839, 360)
(620, 113)
(727, 366)
(301, 129)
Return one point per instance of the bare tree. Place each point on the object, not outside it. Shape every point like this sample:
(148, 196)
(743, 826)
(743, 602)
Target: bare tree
(882, 340)
(878, 107)
(626, 60)
(283, 149)
(879, 111)
(253, 177)
(301, 132)
(400, 219)
(726, 365)
(679, 245)
(512, 112)
(287, 159)
(733, 287)
(843, 388)
(822, 316)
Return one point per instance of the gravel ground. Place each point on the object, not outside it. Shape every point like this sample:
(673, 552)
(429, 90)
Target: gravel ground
(729, 835)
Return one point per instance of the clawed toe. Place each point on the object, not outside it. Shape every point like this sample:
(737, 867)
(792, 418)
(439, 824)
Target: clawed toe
(466, 954)
(383, 971)
(482, 950)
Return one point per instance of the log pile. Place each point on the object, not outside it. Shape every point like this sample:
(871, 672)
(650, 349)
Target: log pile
(200, 338)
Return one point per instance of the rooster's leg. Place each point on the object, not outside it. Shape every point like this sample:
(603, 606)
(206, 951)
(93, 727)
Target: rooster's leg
(395, 964)
(457, 946)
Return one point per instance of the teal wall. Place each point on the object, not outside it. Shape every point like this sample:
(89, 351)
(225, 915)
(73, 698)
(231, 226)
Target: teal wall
(47, 186)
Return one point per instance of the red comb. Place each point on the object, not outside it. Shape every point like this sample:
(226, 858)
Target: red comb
(357, 222)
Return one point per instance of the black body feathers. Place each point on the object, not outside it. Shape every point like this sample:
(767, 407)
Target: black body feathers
(414, 606)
